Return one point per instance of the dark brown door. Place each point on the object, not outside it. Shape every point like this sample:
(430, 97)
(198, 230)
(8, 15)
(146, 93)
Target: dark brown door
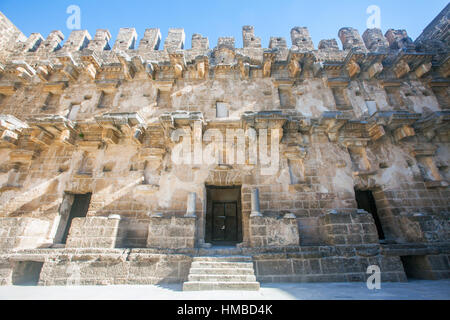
(224, 222)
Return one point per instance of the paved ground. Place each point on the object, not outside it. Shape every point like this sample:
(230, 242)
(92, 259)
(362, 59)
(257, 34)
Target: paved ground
(280, 291)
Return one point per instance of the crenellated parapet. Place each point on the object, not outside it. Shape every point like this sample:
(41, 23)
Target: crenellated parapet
(373, 55)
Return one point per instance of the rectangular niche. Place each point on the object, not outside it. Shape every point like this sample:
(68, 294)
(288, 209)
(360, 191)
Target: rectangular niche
(222, 110)
(341, 98)
(394, 98)
(285, 96)
(51, 102)
(106, 100)
(26, 273)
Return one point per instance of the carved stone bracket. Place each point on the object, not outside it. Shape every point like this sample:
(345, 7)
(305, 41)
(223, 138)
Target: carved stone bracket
(437, 122)
(53, 129)
(20, 70)
(332, 122)
(116, 125)
(71, 69)
(10, 130)
(92, 63)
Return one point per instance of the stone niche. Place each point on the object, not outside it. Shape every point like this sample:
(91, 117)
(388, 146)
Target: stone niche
(171, 232)
(274, 232)
(23, 233)
(93, 232)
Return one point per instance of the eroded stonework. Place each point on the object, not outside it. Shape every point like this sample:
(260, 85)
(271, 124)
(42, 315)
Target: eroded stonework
(91, 194)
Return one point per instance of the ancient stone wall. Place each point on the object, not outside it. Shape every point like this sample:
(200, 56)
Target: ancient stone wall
(93, 232)
(109, 119)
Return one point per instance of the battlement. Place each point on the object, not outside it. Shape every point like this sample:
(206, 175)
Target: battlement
(393, 53)
(37, 47)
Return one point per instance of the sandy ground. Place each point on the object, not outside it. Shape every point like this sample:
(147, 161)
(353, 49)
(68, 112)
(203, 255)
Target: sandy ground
(280, 291)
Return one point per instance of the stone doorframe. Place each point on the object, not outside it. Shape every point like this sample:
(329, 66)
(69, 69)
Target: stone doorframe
(221, 178)
(222, 194)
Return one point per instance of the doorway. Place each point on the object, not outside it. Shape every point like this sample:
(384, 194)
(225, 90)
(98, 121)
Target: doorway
(26, 273)
(78, 209)
(223, 216)
(366, 201)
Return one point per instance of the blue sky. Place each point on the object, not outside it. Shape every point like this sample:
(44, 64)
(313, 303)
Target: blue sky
(215, 18)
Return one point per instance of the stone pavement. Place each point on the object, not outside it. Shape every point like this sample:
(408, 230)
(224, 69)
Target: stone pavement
(417, 289)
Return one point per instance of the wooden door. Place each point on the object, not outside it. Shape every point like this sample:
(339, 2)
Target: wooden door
(224, 228)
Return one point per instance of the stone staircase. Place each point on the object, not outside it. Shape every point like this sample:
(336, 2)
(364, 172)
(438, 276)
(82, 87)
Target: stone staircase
(221, 273)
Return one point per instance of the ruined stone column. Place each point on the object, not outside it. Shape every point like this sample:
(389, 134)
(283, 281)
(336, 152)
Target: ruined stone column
(256, 212)
(192, 198)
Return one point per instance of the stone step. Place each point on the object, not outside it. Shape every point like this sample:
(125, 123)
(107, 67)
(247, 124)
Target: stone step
(221, 278)
(204, 285)
(215, 264)
(229, 271)
(223, 259)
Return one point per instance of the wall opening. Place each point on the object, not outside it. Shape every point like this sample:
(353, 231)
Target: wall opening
(106, 100)
(366, 201)
(341, 98)
(416, 267)
(284, 93)
(51, 102)
(394, 98)
(223, 215)
(221, 110)
(78, 209)
(26, 273)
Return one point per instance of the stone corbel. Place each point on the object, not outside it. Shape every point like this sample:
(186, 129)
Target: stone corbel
(333, 121)
(352, 63)
(373, 64)
(53, 129)
(71, 69)
(22, 70)
(128, 67)
(398, 122)
(41, 137)
(143, 66)
(9, 139)
(375, 131)
(269, 58)
(92, 63)
(178, 63)
(401, 68)
(424, 154)
(11, 129)
(436, 122)
(269, 120)
(403, 132)
(375, 69)
(294, 68)
(244, 69)
(423, 69)
(115, 125)
(201, 67)
(44, 71)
